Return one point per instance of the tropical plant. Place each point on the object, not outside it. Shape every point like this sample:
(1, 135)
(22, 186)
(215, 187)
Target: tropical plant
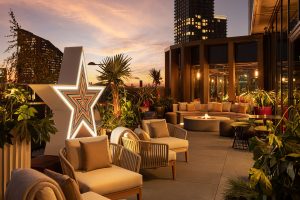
(18, 119)
(263, 98)
(156, 78)
(113, 71)
(276, 170)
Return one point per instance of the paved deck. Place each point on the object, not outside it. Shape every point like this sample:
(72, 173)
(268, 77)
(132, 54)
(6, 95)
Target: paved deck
(212, 161)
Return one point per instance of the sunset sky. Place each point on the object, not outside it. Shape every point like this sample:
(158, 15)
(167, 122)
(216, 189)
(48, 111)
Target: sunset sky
(141, 29)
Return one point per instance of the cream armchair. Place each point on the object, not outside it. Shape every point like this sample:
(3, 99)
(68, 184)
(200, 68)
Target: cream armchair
(153, 155)
(31, 184)
(118, 181)
(177, 139)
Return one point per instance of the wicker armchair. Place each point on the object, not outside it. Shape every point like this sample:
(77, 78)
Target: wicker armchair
(177, 141)
(125, 164)
(153, 155)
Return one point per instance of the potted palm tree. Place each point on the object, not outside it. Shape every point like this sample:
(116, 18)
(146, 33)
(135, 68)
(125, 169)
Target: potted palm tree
(156, 80)
(19, 125)
(113, 71)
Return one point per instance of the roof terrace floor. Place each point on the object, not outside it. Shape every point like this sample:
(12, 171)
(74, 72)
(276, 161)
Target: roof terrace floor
(211, 162)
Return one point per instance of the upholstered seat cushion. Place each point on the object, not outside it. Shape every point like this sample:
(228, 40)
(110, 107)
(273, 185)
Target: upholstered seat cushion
(174, 143)
(172, 155)
(92, 196)
(108, 180)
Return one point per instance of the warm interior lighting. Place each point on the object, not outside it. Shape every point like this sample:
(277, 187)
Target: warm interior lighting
(294, 79)
(256, 73)
(212, 80)
(198, 75)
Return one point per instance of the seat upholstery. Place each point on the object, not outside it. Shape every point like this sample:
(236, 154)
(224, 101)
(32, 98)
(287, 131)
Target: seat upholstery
(108, 180)
(93, 196)
(173, 142)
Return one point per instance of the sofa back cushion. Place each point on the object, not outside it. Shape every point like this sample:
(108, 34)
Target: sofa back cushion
(159, 129)
(73, 150)
(239, 108)
(146, 123)
(202, 107)
(226, 106)
(67, 185)
(95, 154)
(190, 107)
(215, 107)
(182, 106)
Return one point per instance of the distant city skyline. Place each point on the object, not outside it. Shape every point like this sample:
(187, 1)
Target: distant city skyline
(139, 29)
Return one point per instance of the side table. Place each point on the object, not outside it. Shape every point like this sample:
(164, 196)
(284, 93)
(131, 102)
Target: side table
(240, 140)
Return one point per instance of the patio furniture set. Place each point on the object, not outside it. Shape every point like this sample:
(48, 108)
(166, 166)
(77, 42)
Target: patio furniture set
(96, 168)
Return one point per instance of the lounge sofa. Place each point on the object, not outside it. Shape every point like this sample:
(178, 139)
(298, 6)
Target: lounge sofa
(224, 109)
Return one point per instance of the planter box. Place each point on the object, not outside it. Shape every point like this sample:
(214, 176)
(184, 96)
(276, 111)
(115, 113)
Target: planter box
(263, 110)
(12, 157)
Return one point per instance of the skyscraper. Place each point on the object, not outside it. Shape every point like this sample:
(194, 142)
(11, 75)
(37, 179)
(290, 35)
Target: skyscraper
(195, 20)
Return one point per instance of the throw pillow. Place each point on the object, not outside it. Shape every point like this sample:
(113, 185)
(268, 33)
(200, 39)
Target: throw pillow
(182, 106)
(95, 154)
(214, 107)
(242, 109)
(235, 108)
(226, 106)
(73, 150)
(67, 184)
(190, 107)
(203, 107)
(143, 135)
(159, 129)
(197, 106)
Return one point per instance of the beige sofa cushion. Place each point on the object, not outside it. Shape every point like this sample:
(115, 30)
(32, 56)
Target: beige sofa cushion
(95, 154)
(190, 107)
(226, 106)
(93, 196)
(172, 155)
(197, 106)
(174, 143)
(203, 108)
(108, 180)
(74, 152)
(235, 108)
(215, 107)
(159, 129)
(182, 106)
(68, 185)
(242, 109)
(143, 135)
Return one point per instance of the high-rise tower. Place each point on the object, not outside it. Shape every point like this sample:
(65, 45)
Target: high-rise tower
(195, 20)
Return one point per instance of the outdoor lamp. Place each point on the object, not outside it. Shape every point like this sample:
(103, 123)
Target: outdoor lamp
(198, 75)
(256, 73)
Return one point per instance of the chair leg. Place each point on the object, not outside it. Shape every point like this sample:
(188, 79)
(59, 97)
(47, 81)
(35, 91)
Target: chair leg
(174, 170)
(139, 195)
(186, 156)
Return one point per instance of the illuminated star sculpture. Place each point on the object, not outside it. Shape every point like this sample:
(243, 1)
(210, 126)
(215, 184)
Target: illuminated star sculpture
(72, 100)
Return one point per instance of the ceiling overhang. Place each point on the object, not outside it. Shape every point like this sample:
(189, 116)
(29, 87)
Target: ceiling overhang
(261, 15)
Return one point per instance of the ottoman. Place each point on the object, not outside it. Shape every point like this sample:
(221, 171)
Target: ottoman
(171, 117)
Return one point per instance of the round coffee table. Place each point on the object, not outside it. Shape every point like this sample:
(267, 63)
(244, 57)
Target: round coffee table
(199, 123)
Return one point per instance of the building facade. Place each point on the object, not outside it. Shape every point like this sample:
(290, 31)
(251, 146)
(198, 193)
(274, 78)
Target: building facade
(195, 20)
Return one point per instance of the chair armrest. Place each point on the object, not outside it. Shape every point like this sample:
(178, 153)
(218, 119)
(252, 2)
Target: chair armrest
(152, 154)
(66, 166)
(178, 132)
(125, 158)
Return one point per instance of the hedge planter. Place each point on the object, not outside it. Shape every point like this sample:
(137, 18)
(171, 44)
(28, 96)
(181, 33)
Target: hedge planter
(12, 157)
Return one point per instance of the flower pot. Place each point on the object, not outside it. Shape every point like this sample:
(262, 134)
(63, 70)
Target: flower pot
(17, 155)
(267, 110)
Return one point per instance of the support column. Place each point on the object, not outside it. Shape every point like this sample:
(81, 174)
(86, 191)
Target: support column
(260, 63)
(231, 68)
(204, 70)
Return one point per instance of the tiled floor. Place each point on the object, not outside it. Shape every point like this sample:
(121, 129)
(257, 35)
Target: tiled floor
(212, 162)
